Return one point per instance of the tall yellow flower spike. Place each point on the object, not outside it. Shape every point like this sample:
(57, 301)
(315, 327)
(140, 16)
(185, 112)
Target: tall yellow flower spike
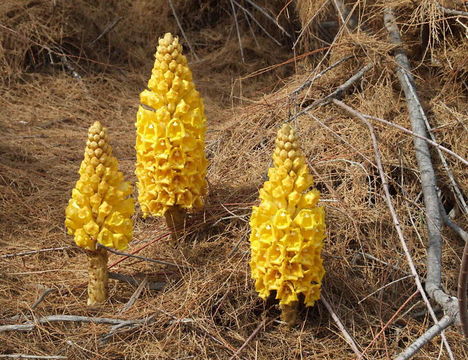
(288, 230)
(171, 163)
(100, 210)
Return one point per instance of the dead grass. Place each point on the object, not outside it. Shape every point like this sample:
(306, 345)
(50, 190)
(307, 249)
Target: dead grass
(209, 311)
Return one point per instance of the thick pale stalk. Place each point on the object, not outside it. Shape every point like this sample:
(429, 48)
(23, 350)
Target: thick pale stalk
(98, 277)
(175, 220)
(289, 313)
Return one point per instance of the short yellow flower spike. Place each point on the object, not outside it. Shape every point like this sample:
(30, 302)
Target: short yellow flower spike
(288, 228)
(171, 163)
(100, 208)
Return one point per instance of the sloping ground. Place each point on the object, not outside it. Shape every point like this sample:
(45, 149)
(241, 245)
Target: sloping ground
(209, 310)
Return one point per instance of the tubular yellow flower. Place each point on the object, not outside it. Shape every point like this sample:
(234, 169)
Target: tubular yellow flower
(100, 209)
(288, 229)
(171, 163)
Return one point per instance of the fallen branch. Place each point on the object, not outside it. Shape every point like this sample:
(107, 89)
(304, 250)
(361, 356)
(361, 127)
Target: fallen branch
(433, 331)
(428, 179)
(388, 199)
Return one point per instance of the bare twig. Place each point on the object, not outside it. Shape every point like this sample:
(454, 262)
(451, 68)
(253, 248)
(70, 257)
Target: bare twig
(428, 180)
(162, 262)
(335, 94)
(371, 257)
(262, 10)
(452, 11)
(383, 287)
(171, 4)
(107, 29)
(429, 141)
(32, 252)
(346, 335)
(41, 298)
(136, 282)
(246, 342)
(30, 325)
(237, 30)
(134, 296)
(388, 199)
(24, 356)
(257, 22)
(319, 75)
(462, 289)
(388, 323)
(433, 331)
(454, 226)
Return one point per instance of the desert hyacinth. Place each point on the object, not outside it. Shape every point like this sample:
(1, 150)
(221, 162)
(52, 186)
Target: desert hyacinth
(287, 231)
(100, 210)
(170, 143)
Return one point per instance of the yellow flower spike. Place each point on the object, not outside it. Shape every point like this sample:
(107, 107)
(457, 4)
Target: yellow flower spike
(288, 230)
(174, 111)
(99, 210)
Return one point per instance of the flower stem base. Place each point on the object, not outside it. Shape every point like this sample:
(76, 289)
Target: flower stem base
(98, 276)
(175, 220)
(289, 313)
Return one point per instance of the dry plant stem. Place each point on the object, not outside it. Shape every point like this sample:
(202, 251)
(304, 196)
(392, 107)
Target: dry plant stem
(433, 331)
(428, 179)
(289, 313)
(462, 289)
(171, 4)
(162, 262)
(396, 221)
(342, 328)
(175, 220)
(98, 277)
